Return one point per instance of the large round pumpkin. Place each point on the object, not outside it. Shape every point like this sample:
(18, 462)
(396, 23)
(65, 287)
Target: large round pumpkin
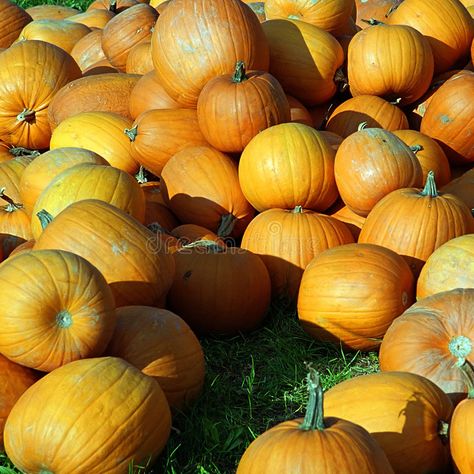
(12, 20)
(105, 414)
(62, 311)
(93, 18)
(161, 345)
(139, 59)
(88, 50)
(350, 294)
(187, 52)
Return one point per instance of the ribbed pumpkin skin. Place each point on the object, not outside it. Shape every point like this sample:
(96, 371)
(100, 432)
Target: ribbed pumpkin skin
(157, 135)
(188, 233)
(449, 117)
(93, 18)
(51, 12)
(370, 164)
(419, 341)
(304, 59)
(208, 287)
(88, 50)
(449, 40)
(10, 175)
(98, 93)
(125, 30)
(414, 225)
(73, 315)
(31, 72)
(90, 181)
(161, 345)
(201, 186)
(285, 447)
(329, 15)
(120, 5)
(101, 132)
(188, 52)
(390, 61)
(376, 112)
(450, 266)
(122, 410)
(287, 241)
(354, 308)
(462, 187)
(62, 33)
(14, 380)
(12, 20)
(376, 9)
(43, 169)
(402, 411)
(124, 251)
(353, 221)
(461, 435)
(139, 59)
(288, 165)
(431, 156)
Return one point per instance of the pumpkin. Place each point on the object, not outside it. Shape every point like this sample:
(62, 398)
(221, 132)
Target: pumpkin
(98, 93)
(449, 40)
(15, 379)
(430, 155)
(288, 240)
(460, 430)
(124, 251)
(149, 94)
(234, 108)
(88, 50)
(26, 246)
(139, 59)
(102, 66)
(450, 266)
(449, 117)
(42, 170)
(31, 72)
(156, 135)
(11, 173)
(352, 220)
(462, 187)
(208, 287)
(100, 132)
(407, 415)
(373, 9)
(8, 244)
(313, 441)
(414, 222)
(288, 165)
(123, 410)
(394, 62)
(125, 30)
(115, 6)
(161, 345)
(157, 213)
(51, 12)
(62, 33)
(188, 52)
(13, 20)
(304, 59)
(90, 181)
(430, 337)
(189, 233)
(354, 308)
(329, 15)
(14, 220)
(68, 293)
(374, 111)
(298, 112)
(370, 164)
(93, 18)
(259, 9)
(201, 186)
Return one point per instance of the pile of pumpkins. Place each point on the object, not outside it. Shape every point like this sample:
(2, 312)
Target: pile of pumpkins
(169, 168)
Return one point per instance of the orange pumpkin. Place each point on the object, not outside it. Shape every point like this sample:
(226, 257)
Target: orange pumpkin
(123, 410)
(373, 9)
(161, 345)
(353, 221)
(88, 50)
(139, 59)
(201, 186)
(11, 172)
(93, 18)
(188, 52)
(288, 165)
(69, 293)
(189, 233)
(462, 187)
(12, 20)
(298, 112)
(354, 308)
(115, 6)
(31, 72)
(14, 220)
(51, 12)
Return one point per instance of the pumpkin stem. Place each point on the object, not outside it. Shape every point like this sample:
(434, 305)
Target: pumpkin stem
(141, 175)
(113, 6)
(430, 186)
(396, 101)
(226, 226)
(26, 115)
(131, 133)
(341, 80)
(64, 319)
(468, 372)
(209, 245)
(396, 4)
(20, 151)
(11, 206)
(362, 126)
(45, 218)
(461, 347)
(298, 210)
(416, 148)
(372, 21)
(240, 74)
(314, 417)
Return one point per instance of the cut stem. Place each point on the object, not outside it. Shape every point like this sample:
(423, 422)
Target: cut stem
(314, 417)
(45, 218)
(416, 148)
(430, 186)
(226, 225)
(11, 206)
(131, 133)
(372, 21)
(26, 115)
(239, 73)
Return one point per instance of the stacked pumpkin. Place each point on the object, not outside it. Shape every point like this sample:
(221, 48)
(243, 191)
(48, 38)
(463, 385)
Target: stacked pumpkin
(206, 167)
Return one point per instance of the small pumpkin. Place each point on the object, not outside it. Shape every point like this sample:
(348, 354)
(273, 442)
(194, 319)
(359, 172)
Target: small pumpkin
(88, 50)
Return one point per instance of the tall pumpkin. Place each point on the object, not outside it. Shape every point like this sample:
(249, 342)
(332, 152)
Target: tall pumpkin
(123, 411)
(31, 72)
(187, 52)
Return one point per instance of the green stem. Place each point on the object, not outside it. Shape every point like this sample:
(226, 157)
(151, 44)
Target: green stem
(141, 175)
(45, 218)
(314, 417)
(416, 148)
(113, 6)
(131, 133)
(298, 210)
(226, 225)
(209, 245)
(11, 206)
(430, 186)
(239, 73)
(373, 22)
(362, 126)
(26, 115)
(20, 151)
(468, 372)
